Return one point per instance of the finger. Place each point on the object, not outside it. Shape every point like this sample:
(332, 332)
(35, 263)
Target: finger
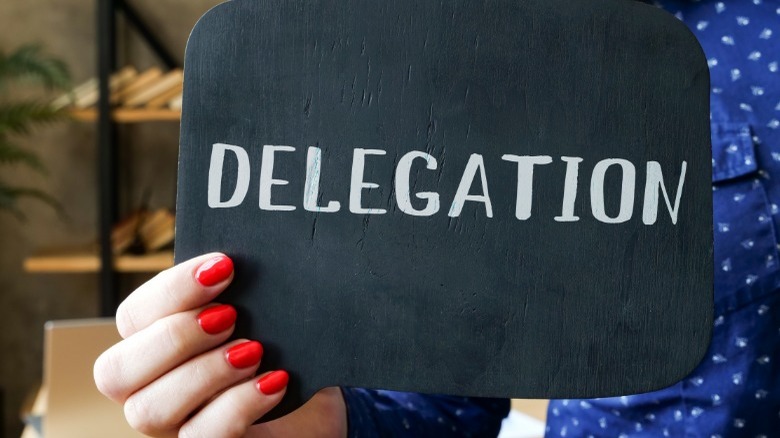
(186, 286)
(138, 360)
(232, 412)
(163, 405)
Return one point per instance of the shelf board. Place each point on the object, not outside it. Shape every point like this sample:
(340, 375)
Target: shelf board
(129, 115)
(86, 261)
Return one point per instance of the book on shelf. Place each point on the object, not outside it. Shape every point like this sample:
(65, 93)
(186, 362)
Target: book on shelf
(87, 94)
(141, 82)
(143, 231)
(149, 92)
(163, 99)
(175, 103)
(155, 88)
(157, 229)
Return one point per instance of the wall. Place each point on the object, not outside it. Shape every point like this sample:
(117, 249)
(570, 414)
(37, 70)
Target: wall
(67, 29)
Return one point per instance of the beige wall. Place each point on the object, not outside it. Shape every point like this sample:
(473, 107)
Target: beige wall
(148, 160)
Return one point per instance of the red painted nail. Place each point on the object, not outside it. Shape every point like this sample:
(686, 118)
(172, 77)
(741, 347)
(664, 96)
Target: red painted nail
(273, 383)
(217, 319)
(214, 271)
(245, 355)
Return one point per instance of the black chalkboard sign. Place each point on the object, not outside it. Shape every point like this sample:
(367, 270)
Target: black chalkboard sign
(496, 198)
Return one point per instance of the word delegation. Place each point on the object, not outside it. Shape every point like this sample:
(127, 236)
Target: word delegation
(473, 186)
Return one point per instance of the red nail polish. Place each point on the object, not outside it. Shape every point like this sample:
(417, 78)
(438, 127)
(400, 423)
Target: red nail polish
(217, 319)
(273, 383)
(245, 355)
(214, 271)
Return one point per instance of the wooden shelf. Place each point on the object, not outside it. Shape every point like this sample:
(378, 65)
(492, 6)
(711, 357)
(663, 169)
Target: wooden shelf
(85, 261)
(129, 115)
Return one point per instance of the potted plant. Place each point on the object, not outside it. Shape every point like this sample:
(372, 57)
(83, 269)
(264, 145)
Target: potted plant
(29, 65)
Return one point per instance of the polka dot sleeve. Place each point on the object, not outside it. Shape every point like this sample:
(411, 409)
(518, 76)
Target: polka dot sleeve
(377, 413)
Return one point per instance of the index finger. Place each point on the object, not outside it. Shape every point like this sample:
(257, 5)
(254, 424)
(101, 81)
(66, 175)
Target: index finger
(184, 287)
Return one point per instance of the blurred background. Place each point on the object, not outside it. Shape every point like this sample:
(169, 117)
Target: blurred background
(35, 289)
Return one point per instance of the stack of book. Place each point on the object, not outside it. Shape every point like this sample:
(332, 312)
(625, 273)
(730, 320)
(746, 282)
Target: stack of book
(131, 89)
(144, 232)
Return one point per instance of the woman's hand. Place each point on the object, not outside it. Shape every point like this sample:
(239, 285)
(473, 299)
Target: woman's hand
(176, 375)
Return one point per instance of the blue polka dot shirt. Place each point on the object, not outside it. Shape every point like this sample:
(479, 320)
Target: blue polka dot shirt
(735, 391)
(376, 413)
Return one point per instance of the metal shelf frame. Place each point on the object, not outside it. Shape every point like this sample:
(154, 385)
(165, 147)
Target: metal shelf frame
(108, 141)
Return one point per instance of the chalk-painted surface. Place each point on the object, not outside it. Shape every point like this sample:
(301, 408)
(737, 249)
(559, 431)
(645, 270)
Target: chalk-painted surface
(486, 293)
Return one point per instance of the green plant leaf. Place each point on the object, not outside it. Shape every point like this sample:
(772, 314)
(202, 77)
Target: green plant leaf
(28, 62)
(31, 64)
(9, 196)
(12, 154)
(8, 203)
(18, 116)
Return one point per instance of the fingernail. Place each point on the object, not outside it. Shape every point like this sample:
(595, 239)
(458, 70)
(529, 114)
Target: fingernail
(214, 271)
(273, 383)
(217, 319)
(245, 355)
